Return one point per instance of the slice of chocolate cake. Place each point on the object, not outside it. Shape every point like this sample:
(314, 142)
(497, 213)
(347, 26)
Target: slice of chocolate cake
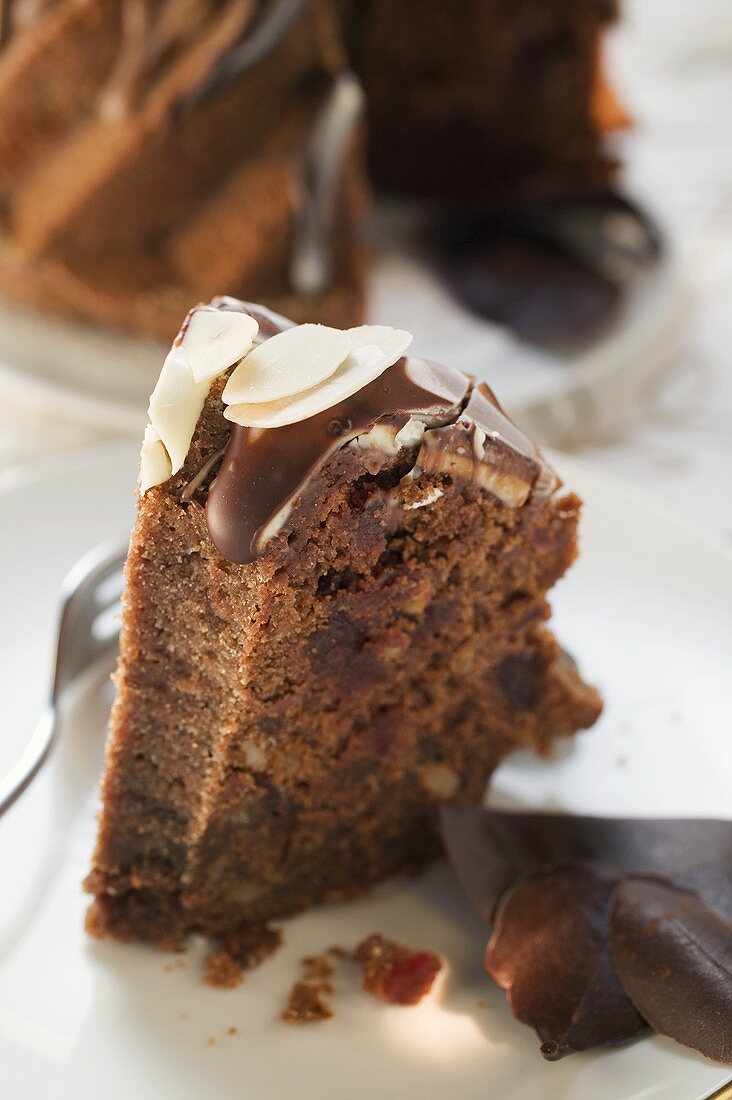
(334, 619)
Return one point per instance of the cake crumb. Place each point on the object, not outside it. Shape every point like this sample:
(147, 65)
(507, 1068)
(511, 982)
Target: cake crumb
(183, 1016)
(316, 967)
(393, 973)
(211, 1041)
(233, 1031)
(337, 952)
(240, 949)
(305, 1004)
(221, 971)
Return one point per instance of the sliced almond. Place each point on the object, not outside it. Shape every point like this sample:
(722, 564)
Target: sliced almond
(377, 345)
(154, 461)
(215, 339)
(292, 361)
(374, 349)
(176, 404)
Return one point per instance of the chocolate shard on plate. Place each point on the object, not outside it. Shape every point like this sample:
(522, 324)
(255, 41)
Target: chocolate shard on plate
(603, 924)
(673, 955)
(557, 273)
(489, 850)
(549, 951)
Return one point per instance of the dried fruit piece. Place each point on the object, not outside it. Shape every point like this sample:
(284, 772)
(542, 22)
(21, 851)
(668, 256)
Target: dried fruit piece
(286, 364)
(396, 974)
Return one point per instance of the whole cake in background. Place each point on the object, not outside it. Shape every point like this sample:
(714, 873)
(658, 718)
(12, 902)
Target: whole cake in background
(334, 619)
(154, 151)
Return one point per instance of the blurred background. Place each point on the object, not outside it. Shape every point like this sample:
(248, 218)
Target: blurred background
(583, 268)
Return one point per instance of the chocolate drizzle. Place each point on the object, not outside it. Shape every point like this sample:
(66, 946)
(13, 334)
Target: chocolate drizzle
(276, 20)
(312, 260)
(264, 470)
(16, 15)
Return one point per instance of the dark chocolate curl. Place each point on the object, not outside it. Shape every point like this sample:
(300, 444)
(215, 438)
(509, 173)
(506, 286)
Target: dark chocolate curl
(673, 954)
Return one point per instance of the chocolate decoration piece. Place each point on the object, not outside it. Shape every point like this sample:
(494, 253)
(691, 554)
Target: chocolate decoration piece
(489, 850)
(549, 951)
(543, 295)
(263, 470)
(556, 273)
(673, 955)
(602, 924)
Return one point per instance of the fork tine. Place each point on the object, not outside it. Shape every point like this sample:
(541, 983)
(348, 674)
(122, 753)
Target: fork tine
(77, 645)
(76, 650)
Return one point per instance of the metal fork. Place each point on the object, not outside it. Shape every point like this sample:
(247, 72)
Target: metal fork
(88, 627)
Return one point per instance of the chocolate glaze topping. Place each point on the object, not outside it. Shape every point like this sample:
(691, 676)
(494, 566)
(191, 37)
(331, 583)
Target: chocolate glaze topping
(264, 470)
(275, 20)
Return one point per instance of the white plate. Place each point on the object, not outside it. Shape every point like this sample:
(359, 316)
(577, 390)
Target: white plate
(648, 608)
(75, 382)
